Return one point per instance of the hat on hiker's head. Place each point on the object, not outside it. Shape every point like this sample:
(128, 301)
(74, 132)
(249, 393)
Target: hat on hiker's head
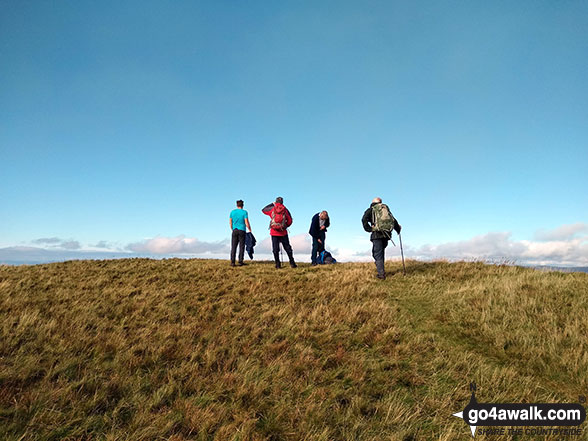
(377, 201)
(279, 200)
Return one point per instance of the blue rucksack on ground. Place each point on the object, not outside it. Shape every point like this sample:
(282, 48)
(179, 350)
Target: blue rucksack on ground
(325, 258)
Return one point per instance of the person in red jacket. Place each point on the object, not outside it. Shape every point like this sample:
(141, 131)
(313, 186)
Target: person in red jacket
(279, 223)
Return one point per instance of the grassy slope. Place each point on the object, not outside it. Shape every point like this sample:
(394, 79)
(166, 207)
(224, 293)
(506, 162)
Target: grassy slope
(192, 349)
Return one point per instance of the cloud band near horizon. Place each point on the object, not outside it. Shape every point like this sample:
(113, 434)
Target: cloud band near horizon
(566, 245)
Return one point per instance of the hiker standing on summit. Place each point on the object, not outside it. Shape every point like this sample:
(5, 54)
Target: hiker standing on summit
(238, 221)
(379, 221)
(279, 223)
(318, 230)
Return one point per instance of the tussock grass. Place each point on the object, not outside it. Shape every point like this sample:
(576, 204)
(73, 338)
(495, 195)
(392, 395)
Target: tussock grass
(140, 349)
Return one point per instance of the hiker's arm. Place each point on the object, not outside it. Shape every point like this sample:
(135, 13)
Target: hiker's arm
(397, 226)
(231, 223)
(268, 209)
(288, 218)
(366, 219)
(248, 224)
(314, 226)
(321, 237)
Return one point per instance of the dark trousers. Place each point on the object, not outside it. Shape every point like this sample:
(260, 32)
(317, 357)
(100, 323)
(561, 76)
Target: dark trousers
(378, 247)
(316, 248)
(238, 237)
(276, 241)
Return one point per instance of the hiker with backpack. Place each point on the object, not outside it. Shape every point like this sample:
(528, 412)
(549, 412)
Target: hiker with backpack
(318, 230)
(280, 220)
(379, 221)
(238, 221)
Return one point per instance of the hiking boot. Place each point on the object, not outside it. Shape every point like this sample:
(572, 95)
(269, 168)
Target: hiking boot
(232, 263)
(293, 265)
(381, 276)
(241, 264)
(313, 264)
(278, 265)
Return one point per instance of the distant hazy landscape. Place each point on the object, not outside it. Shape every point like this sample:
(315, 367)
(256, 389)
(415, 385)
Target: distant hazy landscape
(36, 256)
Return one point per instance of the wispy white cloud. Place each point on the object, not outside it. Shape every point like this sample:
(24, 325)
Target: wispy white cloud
(486, 246)
(56, 242)
(562, 233)
(103, 245)
(264, 246)
(301, 244)
(48, 241)
(501, 246)
(178, 245)
(71, 245)
(570, 252)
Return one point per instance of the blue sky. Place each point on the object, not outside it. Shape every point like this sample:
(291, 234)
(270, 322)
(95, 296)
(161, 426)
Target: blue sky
(124, 122)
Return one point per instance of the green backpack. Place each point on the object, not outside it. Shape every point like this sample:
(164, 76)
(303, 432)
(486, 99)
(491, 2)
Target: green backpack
(382, 219)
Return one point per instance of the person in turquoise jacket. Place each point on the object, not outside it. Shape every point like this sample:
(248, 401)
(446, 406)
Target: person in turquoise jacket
(239, 222)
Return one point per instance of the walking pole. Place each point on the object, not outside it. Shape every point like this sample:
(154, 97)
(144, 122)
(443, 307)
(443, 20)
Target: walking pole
(402, 253)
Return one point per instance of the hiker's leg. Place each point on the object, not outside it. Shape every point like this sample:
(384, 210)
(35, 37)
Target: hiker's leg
(288, 249)
(315, 250)
(378, 246)
(276, 249)
(241, 245)
(384, 245)
(234, 241)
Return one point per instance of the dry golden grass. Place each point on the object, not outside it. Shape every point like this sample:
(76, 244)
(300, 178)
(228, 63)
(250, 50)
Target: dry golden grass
(175, 349)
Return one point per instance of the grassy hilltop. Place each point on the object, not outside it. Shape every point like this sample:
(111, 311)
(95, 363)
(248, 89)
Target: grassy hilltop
(140, 349)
